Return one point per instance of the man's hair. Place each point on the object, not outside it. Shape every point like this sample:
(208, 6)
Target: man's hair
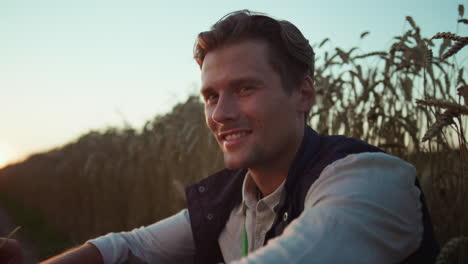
(289, 52)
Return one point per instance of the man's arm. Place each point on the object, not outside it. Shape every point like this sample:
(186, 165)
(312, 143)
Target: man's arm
(364, 208)
(167, 241)
(87, 253)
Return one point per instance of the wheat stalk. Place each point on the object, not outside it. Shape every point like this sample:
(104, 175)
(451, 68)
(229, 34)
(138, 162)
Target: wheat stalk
(449, 248)
(411, 22)
(428, 58)
(323, 42)
(9, 236)
(375, 53)
(455, 48)
(448, 35)
(363, 34)
(442, 120)
(454, 107)
(463, 91)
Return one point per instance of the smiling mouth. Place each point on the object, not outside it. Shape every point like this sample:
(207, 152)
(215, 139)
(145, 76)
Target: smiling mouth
(235, 136)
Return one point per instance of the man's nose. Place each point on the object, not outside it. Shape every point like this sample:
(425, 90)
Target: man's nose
(226, 109)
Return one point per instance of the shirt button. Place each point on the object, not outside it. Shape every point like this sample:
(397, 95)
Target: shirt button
(285, 217)
(209, 216)
(201, 189)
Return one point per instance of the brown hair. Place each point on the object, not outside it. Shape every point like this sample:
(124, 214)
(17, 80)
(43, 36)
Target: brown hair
(290, 53)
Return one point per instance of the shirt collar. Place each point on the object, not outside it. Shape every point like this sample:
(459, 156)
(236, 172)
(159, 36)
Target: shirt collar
(249, 195)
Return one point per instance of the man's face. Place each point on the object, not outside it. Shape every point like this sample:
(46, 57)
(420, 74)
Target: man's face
(255, 121)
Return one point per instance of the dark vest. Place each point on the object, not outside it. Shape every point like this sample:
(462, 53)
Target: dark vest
(211, 201)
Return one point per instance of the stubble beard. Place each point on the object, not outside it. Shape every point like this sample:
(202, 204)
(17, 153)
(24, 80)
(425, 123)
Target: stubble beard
(253, 158)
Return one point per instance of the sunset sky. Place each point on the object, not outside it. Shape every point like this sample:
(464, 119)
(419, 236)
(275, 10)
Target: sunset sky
(70, 66)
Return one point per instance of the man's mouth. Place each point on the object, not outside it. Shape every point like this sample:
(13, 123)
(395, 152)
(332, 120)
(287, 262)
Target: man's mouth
(235, 135)
(233, 138)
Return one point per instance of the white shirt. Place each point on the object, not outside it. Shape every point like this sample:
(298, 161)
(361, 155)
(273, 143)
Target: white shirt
(363, 208)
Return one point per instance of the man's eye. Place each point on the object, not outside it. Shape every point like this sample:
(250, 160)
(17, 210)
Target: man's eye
(245, 90)
(211, 98)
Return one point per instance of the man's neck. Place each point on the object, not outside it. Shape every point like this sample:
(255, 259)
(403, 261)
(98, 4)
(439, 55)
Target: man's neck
(269, 178)
(268, 182)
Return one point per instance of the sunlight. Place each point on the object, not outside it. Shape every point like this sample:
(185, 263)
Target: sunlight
(3, 160)
(5, 156)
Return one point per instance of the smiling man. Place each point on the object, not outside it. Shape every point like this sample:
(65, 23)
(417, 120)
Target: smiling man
(288, 194)
(257, 122)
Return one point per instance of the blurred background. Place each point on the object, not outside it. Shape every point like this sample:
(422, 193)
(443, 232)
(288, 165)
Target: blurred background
(101, 125)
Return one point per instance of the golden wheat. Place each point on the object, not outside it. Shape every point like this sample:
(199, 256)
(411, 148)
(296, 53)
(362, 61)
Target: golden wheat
(453, 107)
(454, 49)
(448, 35)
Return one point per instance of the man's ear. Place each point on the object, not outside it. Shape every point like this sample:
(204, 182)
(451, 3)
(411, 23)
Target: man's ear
(306, 95)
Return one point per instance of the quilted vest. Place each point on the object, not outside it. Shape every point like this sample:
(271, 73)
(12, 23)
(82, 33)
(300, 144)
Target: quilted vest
(211, 200)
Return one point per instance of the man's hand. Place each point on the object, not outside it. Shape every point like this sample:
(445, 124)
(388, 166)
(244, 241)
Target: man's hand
(10, 252)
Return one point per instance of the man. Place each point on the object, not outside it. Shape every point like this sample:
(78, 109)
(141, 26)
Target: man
(287, 195)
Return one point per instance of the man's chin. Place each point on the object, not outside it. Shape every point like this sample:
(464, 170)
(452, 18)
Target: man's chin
(233, 164)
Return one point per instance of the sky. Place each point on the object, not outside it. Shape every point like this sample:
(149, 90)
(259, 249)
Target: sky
(68, 67)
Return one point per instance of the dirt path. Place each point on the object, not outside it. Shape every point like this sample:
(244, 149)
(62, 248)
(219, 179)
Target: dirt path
(6, 226)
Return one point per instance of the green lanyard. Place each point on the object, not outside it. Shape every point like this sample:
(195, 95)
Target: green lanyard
(245, 243)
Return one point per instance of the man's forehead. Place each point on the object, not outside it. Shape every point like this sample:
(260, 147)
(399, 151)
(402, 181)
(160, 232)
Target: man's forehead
(238, 51)
(239, 60)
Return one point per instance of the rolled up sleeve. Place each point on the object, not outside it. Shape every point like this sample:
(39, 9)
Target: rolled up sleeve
(167, 241)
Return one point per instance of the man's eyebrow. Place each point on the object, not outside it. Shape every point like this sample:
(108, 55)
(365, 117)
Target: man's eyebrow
(234, 84)
(206, 90)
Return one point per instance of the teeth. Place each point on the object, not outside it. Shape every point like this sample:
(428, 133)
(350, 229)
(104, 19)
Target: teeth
(235, 136)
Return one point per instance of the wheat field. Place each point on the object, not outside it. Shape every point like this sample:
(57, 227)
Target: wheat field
(409, 99)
